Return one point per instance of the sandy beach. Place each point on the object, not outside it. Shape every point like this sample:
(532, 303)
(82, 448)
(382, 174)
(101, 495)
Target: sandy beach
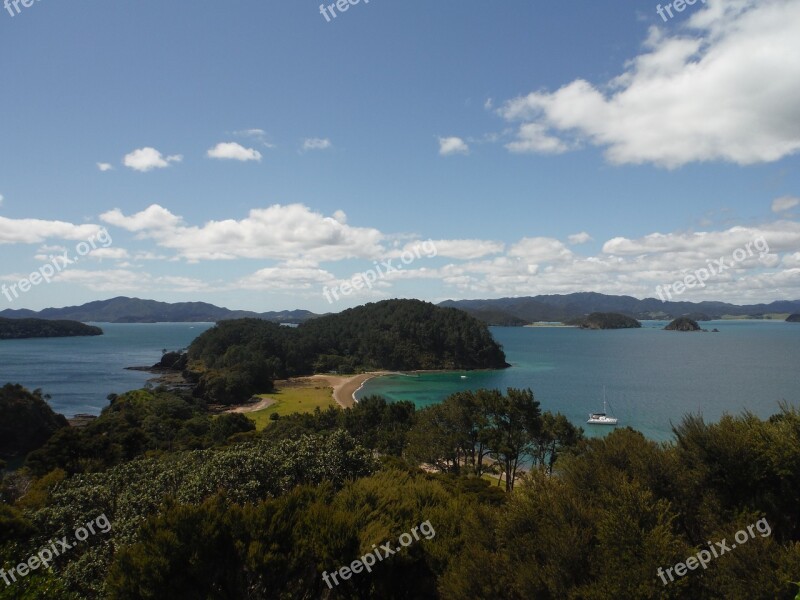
(345, 386)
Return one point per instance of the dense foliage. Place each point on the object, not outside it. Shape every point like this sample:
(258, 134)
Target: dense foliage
(264, 515)
(135, 423)
(15, 329)
(606, 321)
(26, 420)
(240, 358)
(683, 324)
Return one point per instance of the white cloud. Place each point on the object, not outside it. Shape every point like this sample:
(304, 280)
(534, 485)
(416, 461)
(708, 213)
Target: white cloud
(234, 151)
(317, 144)
(579, 238)
(452, 145)
(457, 249)
(2, 198)
(154, 217)
(36, 231)
(709, 92)
(109, 253)
(147, 159)
(105, 167)
(784, 203)
(280, 232)
(533, 137)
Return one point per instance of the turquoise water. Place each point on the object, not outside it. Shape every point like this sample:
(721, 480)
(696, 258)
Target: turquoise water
(79, 373)
(652, 377)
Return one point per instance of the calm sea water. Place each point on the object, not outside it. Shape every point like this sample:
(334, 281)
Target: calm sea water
(79, 373)
(652, 377)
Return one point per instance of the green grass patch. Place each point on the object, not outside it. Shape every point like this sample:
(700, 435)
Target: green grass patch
(291, 400)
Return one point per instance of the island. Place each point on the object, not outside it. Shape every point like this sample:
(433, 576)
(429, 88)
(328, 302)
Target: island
(18, 329)
(683, 324)
(795, 318)
(239, 358)
(599, 320)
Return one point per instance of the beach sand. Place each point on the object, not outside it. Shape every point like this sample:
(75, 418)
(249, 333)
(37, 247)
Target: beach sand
(345, 386)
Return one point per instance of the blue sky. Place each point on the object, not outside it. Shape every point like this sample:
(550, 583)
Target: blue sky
(541, 147)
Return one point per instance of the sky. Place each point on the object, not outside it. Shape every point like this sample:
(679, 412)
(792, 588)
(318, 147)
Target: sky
(266, 156)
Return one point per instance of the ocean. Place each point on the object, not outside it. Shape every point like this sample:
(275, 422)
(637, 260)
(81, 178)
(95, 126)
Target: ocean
(79, 373)
(652, 378)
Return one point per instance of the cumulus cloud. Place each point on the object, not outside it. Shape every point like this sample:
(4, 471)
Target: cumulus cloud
(579, 238)
(784, 203)
(36, 231)
(452, 145)
(105, 167)
(234, 151)
(316, 144)
(280, 232)
(147, 159)
(457, 249)
(708, 92)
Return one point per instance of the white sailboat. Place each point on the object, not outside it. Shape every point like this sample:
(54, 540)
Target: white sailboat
(602, 418)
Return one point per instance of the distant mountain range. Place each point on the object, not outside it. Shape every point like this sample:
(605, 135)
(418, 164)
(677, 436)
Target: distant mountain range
(134, 310)
(510, 311)
(502, 311)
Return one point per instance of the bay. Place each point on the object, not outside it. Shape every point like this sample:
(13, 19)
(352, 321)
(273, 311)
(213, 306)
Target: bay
(79, 373)
(652, 377)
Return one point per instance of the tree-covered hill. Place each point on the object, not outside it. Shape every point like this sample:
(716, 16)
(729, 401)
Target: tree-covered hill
(605, 321)
(237, 358)
(15, 329)
(683, 324)
(795, 318)
(26, 420)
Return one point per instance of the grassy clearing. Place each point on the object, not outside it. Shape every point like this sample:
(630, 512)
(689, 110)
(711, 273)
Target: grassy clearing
(293, 399)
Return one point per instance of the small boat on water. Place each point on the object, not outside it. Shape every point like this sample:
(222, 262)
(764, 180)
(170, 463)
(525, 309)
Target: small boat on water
(602, 418)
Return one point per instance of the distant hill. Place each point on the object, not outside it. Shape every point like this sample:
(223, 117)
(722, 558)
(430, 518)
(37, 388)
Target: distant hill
(17, 329)
(795, 318)
(570, 306)
(606, 321)
(135, 310)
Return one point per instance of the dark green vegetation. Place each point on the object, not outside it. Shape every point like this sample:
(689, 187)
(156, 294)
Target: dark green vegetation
(795, 318)
(16, 329)
(239, 358)
(241, 515)
(134, 310)
(683, 324)
(569, 306)
(605, 321)
(26, 420)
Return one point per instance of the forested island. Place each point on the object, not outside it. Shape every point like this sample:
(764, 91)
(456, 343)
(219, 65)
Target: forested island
(605, 321)
(683, 324)
(793, 318)
(237, 358)
(16, 329)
